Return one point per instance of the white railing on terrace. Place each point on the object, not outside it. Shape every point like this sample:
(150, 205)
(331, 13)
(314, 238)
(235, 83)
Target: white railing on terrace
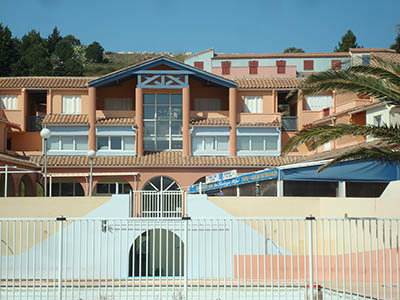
(218, 258)
(164, 204)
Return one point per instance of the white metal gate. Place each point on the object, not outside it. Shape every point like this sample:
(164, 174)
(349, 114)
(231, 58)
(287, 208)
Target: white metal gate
(204, 258)
(159, 204)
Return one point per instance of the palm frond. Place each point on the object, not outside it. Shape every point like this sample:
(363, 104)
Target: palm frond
(345, 81)
(373, 153)
(317, 136)
(382, 70)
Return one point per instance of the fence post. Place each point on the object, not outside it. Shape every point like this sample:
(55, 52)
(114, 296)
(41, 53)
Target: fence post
(310, 220)
(185, 257)
(60, 219)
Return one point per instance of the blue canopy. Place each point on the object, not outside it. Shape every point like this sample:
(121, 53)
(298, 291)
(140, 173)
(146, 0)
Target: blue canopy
(345, 171)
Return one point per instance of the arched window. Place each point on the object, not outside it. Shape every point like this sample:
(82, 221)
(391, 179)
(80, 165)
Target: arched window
(161, 184)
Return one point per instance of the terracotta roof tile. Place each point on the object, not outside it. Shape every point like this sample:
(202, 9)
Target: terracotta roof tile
(261, 124)
(390, 56)
(269, 83)
(279, 55)
(115, 121)
(17, 159)
(368, 50)
(60, 119)
(209, 122)
(336, 152)
(167, 159)
(39, 82)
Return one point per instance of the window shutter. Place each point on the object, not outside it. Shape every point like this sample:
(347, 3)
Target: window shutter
(253, 67)
(199, 64)
(308, 65)
(226, 67)
(9, 102)
(336, 64)
(71, 104)
(281, 65)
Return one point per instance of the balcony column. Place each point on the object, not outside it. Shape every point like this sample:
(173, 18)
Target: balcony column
(139, 121)
(92, 119)
(185, 121)
(232, 121)
(49, 102)
(24, 109)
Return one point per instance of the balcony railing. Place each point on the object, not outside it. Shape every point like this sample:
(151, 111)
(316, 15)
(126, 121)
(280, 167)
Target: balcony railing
(289, 123)
(34, 123)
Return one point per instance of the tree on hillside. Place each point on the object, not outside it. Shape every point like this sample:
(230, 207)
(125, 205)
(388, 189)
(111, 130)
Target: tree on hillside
(94, 52)
(396, 45)
(30, 39)
(349, 40)
(380, 80)
(53, 39)
(8, 51)
(72, 40)
(293, 50)
(34, 57)
(64, 61)
(35, 61)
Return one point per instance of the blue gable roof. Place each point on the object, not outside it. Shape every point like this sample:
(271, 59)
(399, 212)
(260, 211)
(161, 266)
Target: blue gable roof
(179, 66)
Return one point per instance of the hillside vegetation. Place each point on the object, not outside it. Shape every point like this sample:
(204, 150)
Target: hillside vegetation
(115, 61)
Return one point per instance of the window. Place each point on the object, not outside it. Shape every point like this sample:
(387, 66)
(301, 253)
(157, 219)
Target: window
(210, 143)
(257, 143)
(9, 102)
(162, 121)
(207, 104)
(281, 66)
(112, 188)
(68, 143)
(308, 65)
(319, 102)
(336, 64)
(253, 67)
(253, 104)
(199, 64)
(71, 104)
(116, 143)
(226, 67)
(378, 121)
(118, 104)
(66, 189)
(366, 59)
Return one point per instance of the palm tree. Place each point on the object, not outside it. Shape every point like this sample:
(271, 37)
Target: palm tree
(381, 80)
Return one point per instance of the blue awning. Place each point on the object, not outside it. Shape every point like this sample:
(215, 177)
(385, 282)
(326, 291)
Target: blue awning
(346, 171)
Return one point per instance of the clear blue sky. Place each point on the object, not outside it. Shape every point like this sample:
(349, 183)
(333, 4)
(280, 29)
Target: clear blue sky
(235, 26)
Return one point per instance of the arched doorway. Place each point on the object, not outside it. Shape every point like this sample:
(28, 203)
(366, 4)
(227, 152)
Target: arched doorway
(161, 197)
(161, 184)
(10, 186)
(25, 186)
(156, 252)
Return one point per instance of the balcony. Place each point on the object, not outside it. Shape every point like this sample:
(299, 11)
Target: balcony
(289, 123)
(34, 123)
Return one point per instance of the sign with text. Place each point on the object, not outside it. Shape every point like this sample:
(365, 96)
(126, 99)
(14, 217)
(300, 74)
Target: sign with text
(241, 179)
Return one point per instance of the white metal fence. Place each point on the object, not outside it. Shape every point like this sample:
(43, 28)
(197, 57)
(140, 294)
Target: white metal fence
(226, 258)
(155, 204)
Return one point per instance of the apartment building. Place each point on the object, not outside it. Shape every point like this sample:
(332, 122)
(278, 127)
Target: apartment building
(164, 125)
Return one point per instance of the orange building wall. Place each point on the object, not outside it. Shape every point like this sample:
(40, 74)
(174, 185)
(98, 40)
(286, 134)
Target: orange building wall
(25, 141)
(125, 90)
(198, 89)
(14, 116)
(56, 100)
